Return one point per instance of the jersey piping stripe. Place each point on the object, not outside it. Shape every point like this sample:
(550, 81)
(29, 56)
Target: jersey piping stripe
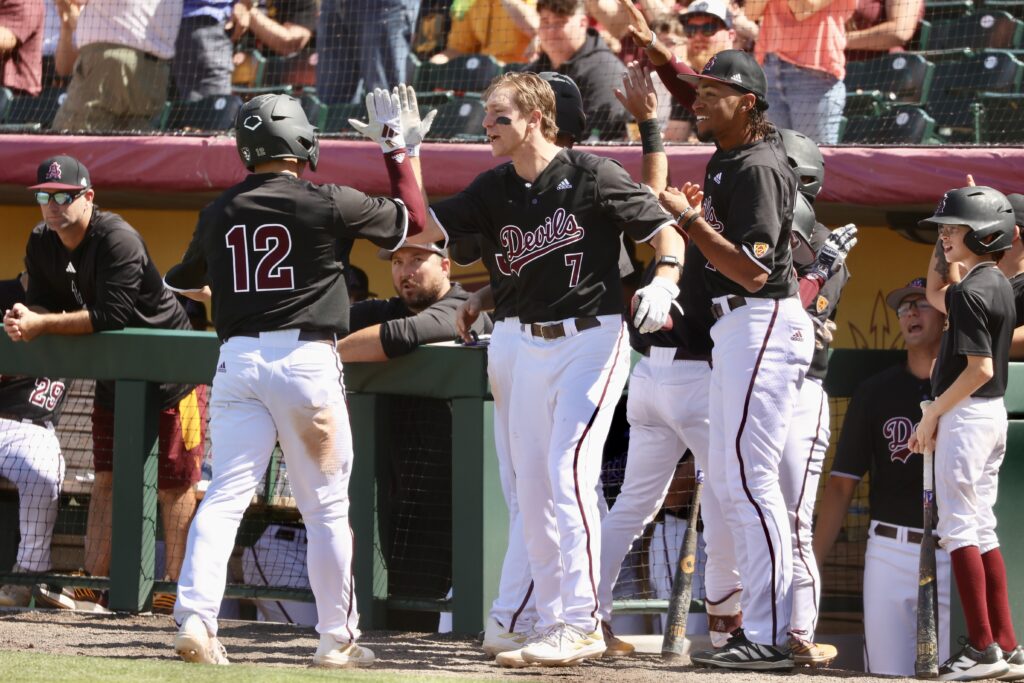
(669, 222)
(575, 472)
(441, 227)
(519, 612)
(743, 474)
(800, 500)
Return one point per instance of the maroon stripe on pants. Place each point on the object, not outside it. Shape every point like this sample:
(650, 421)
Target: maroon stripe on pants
(575, 473)
(803, 491)
(519, 612)
(743, 474)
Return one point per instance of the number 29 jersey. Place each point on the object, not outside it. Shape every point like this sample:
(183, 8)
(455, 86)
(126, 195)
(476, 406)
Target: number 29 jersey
(268, 248)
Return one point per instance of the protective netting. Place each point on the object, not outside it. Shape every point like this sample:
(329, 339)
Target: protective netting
(912, 72)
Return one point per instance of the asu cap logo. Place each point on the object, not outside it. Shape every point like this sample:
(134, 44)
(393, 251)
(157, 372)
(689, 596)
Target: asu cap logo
(53, 173)
(710, 65)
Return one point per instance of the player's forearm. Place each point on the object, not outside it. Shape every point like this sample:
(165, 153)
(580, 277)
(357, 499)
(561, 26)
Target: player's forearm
(809, 288)
(404, 185)
(727, 258)
(835, 501)
(881, 37)
(978, 372)
(484, 298)
(940, 276)
(74, 323)
(203, 295)
(668, 242)
(363, 346)
(432, 232)
(284, 39)
(524, 16)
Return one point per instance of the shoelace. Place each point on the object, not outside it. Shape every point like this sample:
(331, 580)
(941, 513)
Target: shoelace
(552, 636)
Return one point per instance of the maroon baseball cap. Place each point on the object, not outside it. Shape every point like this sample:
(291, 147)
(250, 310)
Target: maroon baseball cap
(735, 68)
(916, 286)
(61, 173)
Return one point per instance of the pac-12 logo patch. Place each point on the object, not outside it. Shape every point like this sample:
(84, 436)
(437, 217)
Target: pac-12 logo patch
(760, 249)
(821, 304)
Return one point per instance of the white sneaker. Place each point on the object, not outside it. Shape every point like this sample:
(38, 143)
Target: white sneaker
(512, 659)
(195, 644)
(564, 645)
(498, 639)
(331, 654)
(974, 665)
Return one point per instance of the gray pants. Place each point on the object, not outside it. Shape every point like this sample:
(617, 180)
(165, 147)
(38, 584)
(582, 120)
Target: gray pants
(202, 62)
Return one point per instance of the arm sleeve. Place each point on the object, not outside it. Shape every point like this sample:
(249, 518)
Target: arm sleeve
(755, 216)
(39, 293)
(190, 274)
(630, 206)
(118, 280)
(434, 324)
(381, 220)
(853, 454)
(971, 336)
(465, 214)
(682, 93)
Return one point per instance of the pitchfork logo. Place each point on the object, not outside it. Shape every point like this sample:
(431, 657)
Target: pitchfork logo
(523, 246)
(54, 172)
(710, 65)
(897, 431)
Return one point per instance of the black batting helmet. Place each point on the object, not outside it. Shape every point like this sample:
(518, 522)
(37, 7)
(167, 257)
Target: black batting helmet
(986, 211)
(805, 158)
(275, 127)
(569, 115)
(803, 231)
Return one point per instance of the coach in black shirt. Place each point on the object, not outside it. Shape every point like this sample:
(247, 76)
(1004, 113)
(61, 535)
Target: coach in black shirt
(90, 271)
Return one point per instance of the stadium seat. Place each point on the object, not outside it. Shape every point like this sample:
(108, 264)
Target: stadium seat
(1014, 7)
(213, 113)
(876, 84)
(947, 9)
(335, 119)
(989, 29)
(462, 118)
(465, 73)
(956, 83)
(1002, 118)
(902, 125)
(33, 113)
(922, 34)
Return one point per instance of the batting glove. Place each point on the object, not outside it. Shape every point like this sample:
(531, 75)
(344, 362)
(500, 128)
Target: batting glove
(834, 252)
(414, 128)
(384, 116)
(653, 304)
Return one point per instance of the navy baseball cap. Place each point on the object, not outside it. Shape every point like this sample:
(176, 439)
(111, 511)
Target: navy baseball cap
(61, 173)
(569, 115)
(1017, 202)
(916, 286)
(735, 68)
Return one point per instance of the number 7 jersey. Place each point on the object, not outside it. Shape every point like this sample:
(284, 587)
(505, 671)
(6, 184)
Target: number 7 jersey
(273, 248)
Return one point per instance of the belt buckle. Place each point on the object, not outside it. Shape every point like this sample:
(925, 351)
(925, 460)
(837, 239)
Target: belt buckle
(556, 331)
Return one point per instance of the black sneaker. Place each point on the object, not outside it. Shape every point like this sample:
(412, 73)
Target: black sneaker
(740, 653)
(974, 665)
(1015, 658)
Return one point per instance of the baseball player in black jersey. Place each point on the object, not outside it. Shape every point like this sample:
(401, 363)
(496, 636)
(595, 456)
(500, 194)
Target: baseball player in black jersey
(966, 424)
(878, 424)
(557, 215)
(763, 342)
(30, 458)
(266, 248)
(89, 271)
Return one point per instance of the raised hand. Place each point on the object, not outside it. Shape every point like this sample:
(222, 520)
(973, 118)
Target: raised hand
(835, 250)
(384, 120)
(638, 95)
(414, 128)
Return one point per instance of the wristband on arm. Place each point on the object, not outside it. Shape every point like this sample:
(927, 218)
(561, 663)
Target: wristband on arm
(650, 136)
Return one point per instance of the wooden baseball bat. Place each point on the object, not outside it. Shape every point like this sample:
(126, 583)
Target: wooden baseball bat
(674, 641)
(926, 664)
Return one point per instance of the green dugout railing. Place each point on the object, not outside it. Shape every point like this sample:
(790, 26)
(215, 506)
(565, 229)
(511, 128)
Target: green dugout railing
(139, 359)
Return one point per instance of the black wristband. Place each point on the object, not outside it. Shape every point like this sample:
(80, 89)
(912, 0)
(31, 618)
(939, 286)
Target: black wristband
(650, 136)
(690, 220)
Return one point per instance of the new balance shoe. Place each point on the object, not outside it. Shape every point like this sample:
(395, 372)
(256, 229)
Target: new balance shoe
(614, 646)
(1015, 658)
(193, 643)
(740, 653)
(806, 653)
(564, 645)
(58, 597)
(498, 639)
(974, 665)
(331, 654)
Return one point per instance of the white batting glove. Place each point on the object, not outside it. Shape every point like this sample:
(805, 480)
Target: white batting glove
(414, 128)
(653, 303)
(384, 117)
(835, 250)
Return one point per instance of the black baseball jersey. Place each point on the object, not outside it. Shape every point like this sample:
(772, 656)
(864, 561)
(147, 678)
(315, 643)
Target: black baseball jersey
(111, 275)
(1017, 284)
(823, 309)
(28, 398)
(558, 237)
(980, 317)
(401, 330)
(691, 331)
(749, 194)
(880, 420)
(267, 248)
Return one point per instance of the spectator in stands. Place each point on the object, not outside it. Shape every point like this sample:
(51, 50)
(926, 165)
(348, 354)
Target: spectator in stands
(21, 46)
(120, 52)
(880, 26)
(801, 45)
(90, 271)
(30, 458)
(202, 61)
(503, 29)
(615, 19)
(284, 28)
(362, 41)
(879, 421)
(569, 47)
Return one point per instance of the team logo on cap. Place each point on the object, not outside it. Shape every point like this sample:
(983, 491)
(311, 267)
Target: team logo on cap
(821, 304)
(760, 249)
(736, 78)
(942, 204)
(710, 64)
(54, 172)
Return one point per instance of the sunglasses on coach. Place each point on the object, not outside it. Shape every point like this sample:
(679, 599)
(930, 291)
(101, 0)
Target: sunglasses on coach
(62, 198)
(709, 29)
